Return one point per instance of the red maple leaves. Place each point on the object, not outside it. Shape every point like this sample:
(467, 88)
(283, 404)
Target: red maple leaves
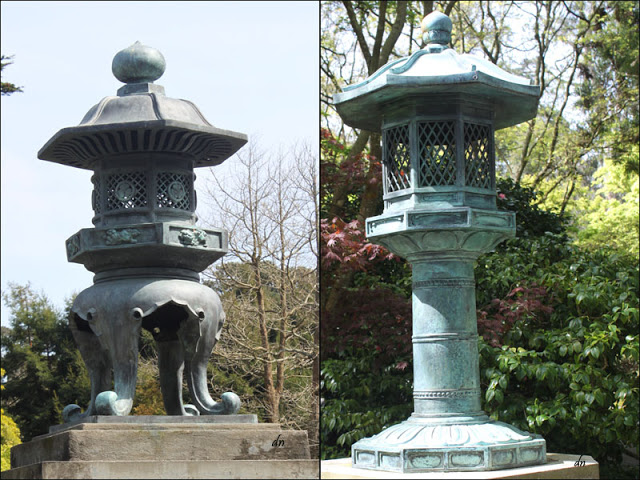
(346, 243)
(526, 302)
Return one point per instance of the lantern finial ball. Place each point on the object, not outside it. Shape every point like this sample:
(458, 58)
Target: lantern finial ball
(436, 28)
(138, 64)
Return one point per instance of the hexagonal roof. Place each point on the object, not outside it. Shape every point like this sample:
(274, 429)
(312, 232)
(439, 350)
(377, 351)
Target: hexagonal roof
(141, 119)
(431, 72)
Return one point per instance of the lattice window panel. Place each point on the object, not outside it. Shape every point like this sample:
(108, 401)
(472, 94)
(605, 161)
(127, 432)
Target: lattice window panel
(477, 155)
(126, 190)
(96, 195)
(437, 153)
(396, 158)
(174, 190)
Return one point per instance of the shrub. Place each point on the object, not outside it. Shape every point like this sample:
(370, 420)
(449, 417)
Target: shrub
(359, 400)
(558, 346)
(559, 355)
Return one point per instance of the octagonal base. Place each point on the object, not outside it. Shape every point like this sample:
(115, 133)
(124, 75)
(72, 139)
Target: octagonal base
(421, 446)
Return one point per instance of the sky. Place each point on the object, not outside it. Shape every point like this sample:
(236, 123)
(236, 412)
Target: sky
(250, 67)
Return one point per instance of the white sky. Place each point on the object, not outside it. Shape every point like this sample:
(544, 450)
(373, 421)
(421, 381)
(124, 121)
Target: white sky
(250, 67)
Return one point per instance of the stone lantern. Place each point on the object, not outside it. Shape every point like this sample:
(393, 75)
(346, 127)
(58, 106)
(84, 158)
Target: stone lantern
(438, 111)
(145, 249)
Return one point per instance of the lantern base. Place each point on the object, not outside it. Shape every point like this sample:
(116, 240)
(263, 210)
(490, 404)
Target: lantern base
(420, 445)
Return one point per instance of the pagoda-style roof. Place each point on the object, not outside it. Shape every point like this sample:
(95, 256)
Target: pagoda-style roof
(431, 73)
(141, 119)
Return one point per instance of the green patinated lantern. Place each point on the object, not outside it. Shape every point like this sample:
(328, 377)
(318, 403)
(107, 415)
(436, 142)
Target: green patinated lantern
(145, 248)
(437, 111)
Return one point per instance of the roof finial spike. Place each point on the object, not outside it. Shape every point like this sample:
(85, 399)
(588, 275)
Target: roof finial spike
(436, 31)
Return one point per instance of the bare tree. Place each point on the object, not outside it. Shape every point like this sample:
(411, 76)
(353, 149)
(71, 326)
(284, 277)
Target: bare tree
(268, 280)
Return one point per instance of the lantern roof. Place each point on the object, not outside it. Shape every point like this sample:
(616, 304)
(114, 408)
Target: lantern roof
(432, 72)
(140, 118)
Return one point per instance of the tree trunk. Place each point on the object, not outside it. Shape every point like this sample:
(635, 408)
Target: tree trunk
(271, 395)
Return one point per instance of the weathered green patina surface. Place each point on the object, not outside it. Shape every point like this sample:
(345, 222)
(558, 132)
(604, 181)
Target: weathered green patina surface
(145, 249)
(438, 111)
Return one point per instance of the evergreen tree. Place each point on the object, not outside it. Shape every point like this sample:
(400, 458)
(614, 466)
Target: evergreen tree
(7, 88)
(10, 434)
(44, 369)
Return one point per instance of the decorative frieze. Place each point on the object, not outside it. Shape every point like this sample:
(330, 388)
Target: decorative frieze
(472, 392)
(160, 243)
(193, 236)
(120, 236)
(486, 446)
(73, 246)
(393, 221)
(445, 282)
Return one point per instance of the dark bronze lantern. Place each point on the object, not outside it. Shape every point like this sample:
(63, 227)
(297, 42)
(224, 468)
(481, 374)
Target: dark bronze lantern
(145, 249)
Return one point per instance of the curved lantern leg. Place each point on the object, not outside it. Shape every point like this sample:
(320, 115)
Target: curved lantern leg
(199, 336)
(171, 367)
(120, 401)
(122, 334)
(185, 319)
(97, 362)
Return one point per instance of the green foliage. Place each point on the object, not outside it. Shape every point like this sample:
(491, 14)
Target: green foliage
(559, 355)
(605, 215)
(7, 88)
(44, 370)
(359, 400)
(610, 217)
(498, 274)
(572, 366)
(608, 92)
(531, 220)
(148, 396)
(9, 436)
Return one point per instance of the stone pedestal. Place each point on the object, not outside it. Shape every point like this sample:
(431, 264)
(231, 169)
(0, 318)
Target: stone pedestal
(557, 466)
(165, 447)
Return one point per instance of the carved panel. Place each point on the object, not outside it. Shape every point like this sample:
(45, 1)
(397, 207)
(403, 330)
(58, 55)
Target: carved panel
(436, 219)
(396, 157)
(120, 236)
(477, 155)
(437, 153)
(126, 190)
(372, 225)
(193, 236)
(73, 246)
